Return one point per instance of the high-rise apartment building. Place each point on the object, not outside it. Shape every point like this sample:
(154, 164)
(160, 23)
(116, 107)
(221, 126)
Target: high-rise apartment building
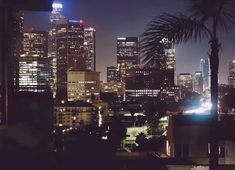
(205, 69)
(127, 56)
(70, 53)
(198, 82)
(90, 48)
(111, 74)
(231, 76)
(34, 64)
(55, 18)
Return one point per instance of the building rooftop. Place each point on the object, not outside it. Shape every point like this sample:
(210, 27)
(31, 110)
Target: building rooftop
(73, 104)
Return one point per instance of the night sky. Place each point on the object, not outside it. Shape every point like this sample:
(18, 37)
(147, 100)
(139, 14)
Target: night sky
(120, 18)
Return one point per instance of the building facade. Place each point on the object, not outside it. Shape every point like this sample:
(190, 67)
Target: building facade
(34, 74)
(205, 69)
(231, 76)
(127, 56)
(111, 74)
(151, 82)
(185, 82)
(34, 63)
(70, 53)
(55, 18)
(83, 85)
(75, 114)
(113, 89)
(198, 82)
(90, 48)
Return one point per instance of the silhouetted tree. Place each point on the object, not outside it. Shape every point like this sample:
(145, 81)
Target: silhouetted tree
(141, 138)
(154, 112)
(117, 132)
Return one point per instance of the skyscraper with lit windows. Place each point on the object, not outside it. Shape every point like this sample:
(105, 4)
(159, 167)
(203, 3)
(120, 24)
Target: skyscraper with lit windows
(185, 83)
(55, 18)
(205, 69)
(34, 64)
(111, 74)
(231, 76)
(90, 48)
(198, 82)
(127, 56)
(70, 53)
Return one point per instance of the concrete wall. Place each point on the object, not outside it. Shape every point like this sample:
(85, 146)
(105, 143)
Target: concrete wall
(229, 152)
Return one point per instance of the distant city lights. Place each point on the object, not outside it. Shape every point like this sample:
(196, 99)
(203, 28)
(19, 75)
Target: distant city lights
(76, 21)
(72, 20)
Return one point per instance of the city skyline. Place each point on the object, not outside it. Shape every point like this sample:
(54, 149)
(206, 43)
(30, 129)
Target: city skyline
(117, 24)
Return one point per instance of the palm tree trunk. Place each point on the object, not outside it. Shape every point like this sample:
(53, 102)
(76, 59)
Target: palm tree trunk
(214, 65)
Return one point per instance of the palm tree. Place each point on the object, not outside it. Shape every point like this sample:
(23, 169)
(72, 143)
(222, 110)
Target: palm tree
(207, 18)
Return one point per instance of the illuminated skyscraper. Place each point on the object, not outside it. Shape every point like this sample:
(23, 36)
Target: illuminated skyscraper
(198, 82)
(169, 54)
(55, 18)
(90, 48)
(111, 74)
(170, 60)
(56, 13)
(185, 82)
(231, 76)
(127, 56)
(70, 53)
(34, 64)
(205, 69)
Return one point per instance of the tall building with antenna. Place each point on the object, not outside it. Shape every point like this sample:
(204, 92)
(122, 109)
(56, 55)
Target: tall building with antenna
(70, 53)
(56, 17)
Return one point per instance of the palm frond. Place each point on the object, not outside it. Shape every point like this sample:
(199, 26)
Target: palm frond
(223, 10)
(177, 28)
(226, 15)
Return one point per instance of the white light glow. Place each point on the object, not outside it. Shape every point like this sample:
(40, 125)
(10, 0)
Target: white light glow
(204, 108)
(121, 38)
(57, 5)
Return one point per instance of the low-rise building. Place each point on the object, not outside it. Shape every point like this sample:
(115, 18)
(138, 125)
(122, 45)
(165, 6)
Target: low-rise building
(83, 85)
(75, 114)
(188, 137)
